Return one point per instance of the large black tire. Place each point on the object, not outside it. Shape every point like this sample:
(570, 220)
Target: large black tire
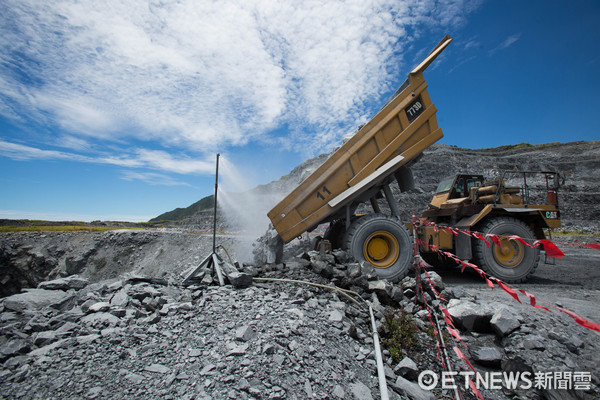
(382, 241)
(513, 262)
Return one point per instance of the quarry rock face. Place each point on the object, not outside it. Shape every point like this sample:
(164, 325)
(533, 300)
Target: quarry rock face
(29, 258)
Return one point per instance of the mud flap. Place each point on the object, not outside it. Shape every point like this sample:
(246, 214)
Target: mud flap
(405, 179)
(462, 244)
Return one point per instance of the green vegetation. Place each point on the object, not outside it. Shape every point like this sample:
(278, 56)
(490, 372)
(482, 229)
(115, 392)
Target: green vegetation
(524, 145)
(431, 333)
(566, 232)
(520, 146)
(65, 228)
(180, 213)
(100, 263)
(400, 333)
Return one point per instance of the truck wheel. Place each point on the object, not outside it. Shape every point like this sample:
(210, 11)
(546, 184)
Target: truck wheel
(383, 242)
(512, 262)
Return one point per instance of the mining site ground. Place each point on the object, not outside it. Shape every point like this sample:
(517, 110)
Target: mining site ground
(175, 354)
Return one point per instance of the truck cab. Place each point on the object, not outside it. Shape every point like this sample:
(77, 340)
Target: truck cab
(455, 187)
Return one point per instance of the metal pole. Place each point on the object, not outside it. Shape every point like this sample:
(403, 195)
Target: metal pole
(383, 389)
(449, 367)
(417, 260)
(215, 214)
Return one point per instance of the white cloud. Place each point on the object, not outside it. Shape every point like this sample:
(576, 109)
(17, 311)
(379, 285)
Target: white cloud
(163, 161)
(152, 178)
(140, 158)
(506, 43)
(510, 40)
(472, 44)
(202, 74)
(72, 142)
(21, 152)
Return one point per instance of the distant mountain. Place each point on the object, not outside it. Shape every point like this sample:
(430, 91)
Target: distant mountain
(182, 213)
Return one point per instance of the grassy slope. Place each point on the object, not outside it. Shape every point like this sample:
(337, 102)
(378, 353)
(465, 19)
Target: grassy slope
(180, 213)
(64, 228)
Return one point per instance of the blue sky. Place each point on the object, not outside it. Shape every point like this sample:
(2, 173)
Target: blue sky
(114, 110)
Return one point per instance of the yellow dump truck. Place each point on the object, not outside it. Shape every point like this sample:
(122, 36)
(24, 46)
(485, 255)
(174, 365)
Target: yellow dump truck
(361, 170)
(469, 203)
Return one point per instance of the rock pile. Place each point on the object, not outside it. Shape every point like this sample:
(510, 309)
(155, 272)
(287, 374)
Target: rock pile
(500, 338)
(132, 339)
(143, 337)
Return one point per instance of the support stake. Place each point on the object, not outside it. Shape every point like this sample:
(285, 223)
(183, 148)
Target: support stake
(215, 213)
(213, 260)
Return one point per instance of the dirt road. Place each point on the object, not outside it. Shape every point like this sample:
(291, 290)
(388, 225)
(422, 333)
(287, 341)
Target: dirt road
(572, 282)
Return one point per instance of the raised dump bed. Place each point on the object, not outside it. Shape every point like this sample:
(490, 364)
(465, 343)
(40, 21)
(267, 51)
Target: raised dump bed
(361, 169)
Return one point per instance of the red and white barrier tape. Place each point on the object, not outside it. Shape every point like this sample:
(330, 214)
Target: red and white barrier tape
(549, 247)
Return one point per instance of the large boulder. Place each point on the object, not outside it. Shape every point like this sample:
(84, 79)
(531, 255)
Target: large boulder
(269, 248)
(360, 391)
(412, 390)
(470, 316)
(434, 278)
(504, 321)
(13, 347)
(71, 282)
(487, 356)
(37, 299)
(407, 368)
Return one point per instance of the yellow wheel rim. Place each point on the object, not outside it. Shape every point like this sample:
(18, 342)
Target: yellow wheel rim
(511, 253)
(381, 249)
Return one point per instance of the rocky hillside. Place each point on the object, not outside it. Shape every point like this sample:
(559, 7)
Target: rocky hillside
(578, 161)
(177, 214)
